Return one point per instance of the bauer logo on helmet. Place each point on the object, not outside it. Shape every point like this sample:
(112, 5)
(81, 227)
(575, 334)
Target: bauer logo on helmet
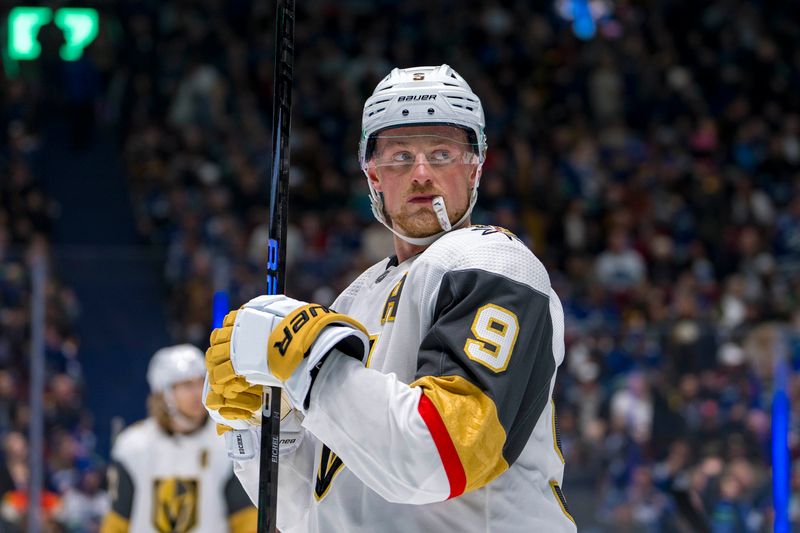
(416, 97)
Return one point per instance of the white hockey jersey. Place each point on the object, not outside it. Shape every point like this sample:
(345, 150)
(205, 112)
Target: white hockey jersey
(167, 483)
(449, 426)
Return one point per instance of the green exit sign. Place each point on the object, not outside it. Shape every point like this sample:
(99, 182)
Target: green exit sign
(78, 24)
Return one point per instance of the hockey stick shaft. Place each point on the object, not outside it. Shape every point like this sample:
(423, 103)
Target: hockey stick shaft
(276, 270)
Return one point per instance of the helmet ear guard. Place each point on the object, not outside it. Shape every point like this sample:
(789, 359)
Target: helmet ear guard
(422, 96)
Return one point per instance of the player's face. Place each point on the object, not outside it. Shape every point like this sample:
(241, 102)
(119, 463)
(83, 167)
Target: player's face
(189, 398)
(414, 164)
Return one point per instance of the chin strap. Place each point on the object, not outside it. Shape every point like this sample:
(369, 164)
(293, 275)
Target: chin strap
(441, 215)
(438, 207)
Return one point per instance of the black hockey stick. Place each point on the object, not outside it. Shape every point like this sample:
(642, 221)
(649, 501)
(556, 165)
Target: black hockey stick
(276, 269)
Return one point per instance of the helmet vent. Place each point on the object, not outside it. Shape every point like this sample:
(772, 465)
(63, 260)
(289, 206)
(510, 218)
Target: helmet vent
(460, 98)
(377, 111)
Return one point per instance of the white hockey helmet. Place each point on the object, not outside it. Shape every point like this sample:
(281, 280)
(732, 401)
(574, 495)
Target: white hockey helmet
(421, 96)
(175, 364)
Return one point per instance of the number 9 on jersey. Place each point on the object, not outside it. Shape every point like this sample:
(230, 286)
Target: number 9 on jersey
(495, 329)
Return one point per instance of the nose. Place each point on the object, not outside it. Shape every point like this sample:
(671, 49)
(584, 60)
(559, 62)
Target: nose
(421, 171)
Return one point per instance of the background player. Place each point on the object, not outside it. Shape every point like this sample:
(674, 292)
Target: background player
(169, 472)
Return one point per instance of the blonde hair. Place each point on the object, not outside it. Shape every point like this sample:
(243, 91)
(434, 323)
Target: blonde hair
(157, 409)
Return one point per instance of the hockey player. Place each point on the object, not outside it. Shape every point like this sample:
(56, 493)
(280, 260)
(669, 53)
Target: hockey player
(422, 397)
(170, 472)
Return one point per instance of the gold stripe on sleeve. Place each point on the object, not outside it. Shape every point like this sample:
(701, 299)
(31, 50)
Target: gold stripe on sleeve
(473, 425)
(243, 521)
(114, 523)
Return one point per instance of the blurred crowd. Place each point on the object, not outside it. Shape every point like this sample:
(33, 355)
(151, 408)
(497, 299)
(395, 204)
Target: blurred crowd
(654, 169)
(72, 498)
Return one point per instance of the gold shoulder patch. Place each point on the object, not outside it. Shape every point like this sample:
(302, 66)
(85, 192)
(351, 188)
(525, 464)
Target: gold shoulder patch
(490, 230)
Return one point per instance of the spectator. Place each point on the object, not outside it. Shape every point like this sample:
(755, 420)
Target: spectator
(619, 268)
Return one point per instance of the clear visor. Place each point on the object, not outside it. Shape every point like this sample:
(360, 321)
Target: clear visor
(398, 152)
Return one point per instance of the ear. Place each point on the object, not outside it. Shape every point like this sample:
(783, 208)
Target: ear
(476, 176)
(372, 176)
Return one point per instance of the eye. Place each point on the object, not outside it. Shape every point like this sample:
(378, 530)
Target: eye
(401, 157)
(441, 156)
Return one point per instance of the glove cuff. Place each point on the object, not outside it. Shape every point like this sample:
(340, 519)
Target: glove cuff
(347, 340)
(249, 341)
(242, 444)
(301, 330)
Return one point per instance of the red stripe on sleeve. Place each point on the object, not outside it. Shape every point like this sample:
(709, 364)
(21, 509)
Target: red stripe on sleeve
(444, 444)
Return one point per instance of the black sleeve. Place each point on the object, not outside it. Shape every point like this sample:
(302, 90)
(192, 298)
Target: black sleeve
(120, 488)
(518, 384)
(235, 497)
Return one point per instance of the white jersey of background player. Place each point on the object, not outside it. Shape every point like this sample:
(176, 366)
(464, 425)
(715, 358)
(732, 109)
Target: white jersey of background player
(170, 472)
(423, 396)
